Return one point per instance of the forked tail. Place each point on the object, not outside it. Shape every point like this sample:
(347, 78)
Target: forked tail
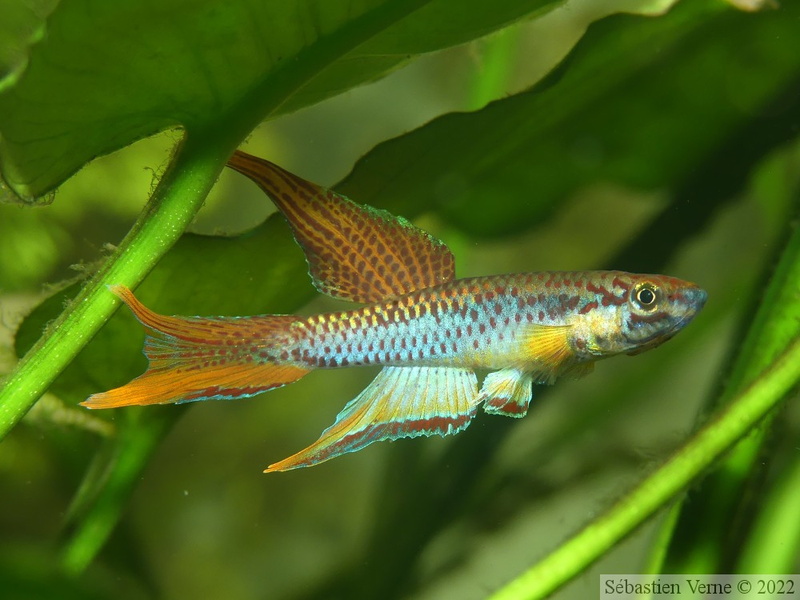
(194, 358)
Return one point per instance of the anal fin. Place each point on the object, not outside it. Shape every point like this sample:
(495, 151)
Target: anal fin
(400, 402)
(507, 392)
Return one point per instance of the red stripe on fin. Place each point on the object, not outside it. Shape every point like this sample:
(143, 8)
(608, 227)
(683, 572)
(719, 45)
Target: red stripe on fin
(507, 392)
(195, 358)
(400, 402)
(354, 252)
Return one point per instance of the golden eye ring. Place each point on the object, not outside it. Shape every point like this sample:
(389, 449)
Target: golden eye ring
(645, 297)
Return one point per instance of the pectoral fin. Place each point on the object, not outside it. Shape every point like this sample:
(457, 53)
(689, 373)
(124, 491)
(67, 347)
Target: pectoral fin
(546, 351)
(400, 402)
(579, 370)
(507, 392)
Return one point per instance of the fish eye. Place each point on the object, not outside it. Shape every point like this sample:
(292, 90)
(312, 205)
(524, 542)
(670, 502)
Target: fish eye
(645, 297)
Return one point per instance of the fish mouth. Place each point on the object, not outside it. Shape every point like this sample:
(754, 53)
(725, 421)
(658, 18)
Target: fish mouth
(696, 298)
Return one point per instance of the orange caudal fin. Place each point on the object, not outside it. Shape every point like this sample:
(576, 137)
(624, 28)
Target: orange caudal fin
(354, 252)
(194, 358)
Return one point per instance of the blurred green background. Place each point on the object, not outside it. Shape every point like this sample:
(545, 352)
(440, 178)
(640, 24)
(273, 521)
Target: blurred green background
(662, 144)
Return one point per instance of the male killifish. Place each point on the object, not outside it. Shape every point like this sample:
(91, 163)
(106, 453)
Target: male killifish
(428, 330)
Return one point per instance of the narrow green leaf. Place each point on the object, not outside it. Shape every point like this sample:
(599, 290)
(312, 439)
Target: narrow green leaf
(774, 540)
(775, 327)
(106, 490)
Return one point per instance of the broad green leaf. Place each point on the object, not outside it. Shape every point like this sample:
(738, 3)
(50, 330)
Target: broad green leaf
(640, 102)
(21, 25)
(108, 73)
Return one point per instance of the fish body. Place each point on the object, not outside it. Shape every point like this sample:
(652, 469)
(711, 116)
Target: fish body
(428, 330)
(492, 322)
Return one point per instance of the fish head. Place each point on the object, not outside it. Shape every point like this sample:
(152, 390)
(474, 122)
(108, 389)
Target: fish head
(656, 308)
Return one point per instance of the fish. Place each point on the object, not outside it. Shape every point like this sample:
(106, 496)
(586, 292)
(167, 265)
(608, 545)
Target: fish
(428, 331)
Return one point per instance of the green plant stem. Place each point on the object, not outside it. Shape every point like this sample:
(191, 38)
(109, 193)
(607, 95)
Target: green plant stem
(726, 491)
(696, 455)
(131, 452)
(180, 193)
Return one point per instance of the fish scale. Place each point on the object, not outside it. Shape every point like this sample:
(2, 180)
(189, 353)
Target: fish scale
(469, 322)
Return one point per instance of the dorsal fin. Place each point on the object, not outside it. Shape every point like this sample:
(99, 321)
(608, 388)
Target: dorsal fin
(354, 252)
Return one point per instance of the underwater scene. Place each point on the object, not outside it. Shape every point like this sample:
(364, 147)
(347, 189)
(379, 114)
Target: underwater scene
(433, 299)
